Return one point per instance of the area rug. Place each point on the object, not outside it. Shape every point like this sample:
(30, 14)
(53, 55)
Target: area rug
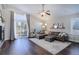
(52, 47)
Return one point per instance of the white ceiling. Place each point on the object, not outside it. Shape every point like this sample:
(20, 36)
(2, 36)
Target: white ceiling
(59, 9)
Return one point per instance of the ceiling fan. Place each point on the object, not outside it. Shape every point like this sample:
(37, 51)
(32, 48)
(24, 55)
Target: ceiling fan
(44, 12)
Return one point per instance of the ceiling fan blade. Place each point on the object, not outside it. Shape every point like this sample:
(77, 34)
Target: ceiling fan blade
(48, 13)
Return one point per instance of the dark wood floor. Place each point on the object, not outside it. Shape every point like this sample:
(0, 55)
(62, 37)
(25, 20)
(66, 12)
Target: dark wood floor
(22, 47)
(73, 49)
(26, 47)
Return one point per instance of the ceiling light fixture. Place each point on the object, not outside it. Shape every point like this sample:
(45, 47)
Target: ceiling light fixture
(44, 12)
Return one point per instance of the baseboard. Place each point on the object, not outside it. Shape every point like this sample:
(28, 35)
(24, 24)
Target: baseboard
(10, 39)
(74, 42)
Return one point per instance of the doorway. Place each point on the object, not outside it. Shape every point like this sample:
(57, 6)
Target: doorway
(20, 25)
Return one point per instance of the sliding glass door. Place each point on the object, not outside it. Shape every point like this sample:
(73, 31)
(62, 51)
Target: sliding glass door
(20, 25)
(21, 29)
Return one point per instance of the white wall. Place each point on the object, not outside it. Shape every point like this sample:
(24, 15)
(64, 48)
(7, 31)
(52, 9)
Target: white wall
(65, 21)
(34, 23)
(6, 17)
(0, 7)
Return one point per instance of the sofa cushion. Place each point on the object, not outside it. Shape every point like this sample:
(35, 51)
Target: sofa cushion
(62, 34)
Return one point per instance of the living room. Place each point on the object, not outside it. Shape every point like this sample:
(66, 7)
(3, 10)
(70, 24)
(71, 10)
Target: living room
(52, 28)
(58, 22)
(63, 21)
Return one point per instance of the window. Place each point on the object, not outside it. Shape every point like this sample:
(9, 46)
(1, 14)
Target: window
(20, 25)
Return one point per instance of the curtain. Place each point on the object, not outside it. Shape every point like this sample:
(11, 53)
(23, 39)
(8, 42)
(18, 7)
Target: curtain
(28, 24)
(12, 37)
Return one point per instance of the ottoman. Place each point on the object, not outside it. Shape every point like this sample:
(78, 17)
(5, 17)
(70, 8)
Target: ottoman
(50, 38)
(40, 36)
